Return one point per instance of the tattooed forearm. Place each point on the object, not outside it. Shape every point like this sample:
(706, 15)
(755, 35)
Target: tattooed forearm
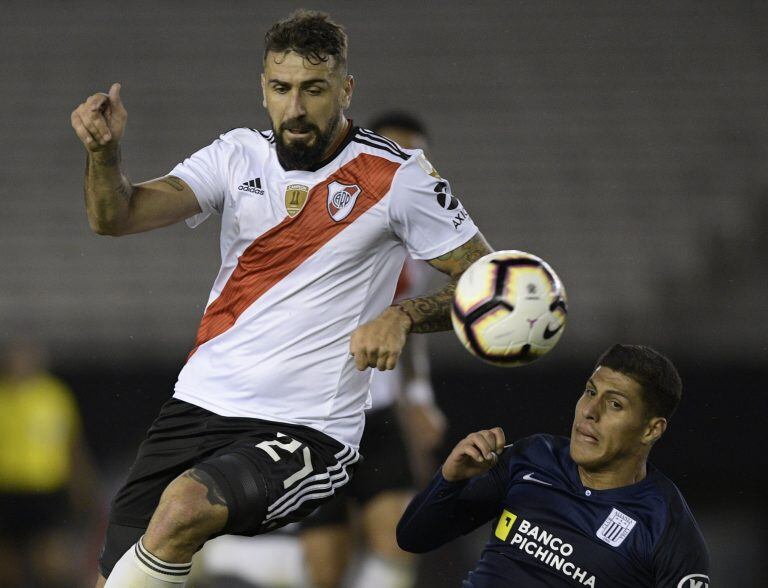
(433, 312)
(107, 158)
(107, 192)
(214, 495)
(430, 313)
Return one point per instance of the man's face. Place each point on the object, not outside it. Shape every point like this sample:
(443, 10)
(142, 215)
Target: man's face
(610, 426)
(305, 103)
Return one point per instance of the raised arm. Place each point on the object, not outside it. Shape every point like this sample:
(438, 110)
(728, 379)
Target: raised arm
(113, 204)
(379, 342)
(465, 494)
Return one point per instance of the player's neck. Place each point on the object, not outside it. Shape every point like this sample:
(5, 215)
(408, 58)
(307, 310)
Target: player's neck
(341, 131)
(615, 477)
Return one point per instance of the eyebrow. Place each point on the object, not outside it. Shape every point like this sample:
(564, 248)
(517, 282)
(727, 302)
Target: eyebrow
(304, 83)
(617, 392)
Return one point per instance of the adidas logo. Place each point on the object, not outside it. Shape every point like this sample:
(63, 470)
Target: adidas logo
(252, 186)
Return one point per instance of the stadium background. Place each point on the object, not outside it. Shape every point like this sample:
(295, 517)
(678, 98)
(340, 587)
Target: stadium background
(623, 142)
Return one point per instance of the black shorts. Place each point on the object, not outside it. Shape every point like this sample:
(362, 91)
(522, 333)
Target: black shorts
(270, 473)
(385, 468)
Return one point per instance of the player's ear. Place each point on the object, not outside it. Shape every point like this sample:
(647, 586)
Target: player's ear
(346, 92)
(263, 91)
(654, 430)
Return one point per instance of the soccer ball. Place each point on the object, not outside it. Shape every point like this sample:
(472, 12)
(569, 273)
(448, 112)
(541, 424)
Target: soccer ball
(509, 308)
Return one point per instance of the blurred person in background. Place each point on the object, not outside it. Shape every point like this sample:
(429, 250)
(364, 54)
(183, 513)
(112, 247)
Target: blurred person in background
(584, 511)
(48, 487)
(393, 454)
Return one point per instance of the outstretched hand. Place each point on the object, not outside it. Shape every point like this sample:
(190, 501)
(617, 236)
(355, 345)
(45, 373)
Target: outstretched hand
(379, 343)
(100, 121)
(474, 455)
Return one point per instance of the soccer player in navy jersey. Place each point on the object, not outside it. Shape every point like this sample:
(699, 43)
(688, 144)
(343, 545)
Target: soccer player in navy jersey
(584, 511)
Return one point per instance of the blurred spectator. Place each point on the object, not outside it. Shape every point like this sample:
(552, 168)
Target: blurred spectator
(47, 484)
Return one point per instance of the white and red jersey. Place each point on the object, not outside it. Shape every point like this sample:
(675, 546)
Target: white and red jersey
(307, 256)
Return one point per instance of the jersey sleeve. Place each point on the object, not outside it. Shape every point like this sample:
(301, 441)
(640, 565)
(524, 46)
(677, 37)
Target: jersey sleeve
(205, 172)
(444, 510)
(423, 212)
(681, 557)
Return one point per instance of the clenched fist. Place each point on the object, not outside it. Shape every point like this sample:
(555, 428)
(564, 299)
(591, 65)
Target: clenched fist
(474, 455)
(379, 343)
(100, 121)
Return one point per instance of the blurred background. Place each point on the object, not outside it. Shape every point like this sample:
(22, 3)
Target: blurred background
(625, 143)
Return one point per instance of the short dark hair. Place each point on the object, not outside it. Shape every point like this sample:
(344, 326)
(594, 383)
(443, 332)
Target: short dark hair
(399, 119)
(662, 386)
(311, 34)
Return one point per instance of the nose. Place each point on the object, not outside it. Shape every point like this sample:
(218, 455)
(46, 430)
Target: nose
(295, 105)
(591, 408)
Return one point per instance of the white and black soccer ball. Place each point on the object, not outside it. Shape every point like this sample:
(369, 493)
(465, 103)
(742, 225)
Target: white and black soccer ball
(509, 308)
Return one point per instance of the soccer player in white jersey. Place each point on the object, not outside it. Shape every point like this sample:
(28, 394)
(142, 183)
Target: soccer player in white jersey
(316, 219)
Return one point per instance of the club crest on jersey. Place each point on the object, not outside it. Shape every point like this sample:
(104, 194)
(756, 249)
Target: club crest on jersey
(341, 200)
(295, 198)
(616, 528)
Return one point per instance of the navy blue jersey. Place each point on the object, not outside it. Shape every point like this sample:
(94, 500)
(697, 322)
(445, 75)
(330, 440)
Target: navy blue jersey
(550, 530)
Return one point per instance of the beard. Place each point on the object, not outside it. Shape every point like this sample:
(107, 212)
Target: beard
(300, 155)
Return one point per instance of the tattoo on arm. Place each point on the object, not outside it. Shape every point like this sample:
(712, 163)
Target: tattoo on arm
(175, 183)
(456, 261)
(430, 313)
(214, 495)
(433, 312)
(107, 191)
(110, 158)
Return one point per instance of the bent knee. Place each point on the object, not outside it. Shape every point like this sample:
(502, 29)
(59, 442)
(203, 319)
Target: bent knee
(191, 507)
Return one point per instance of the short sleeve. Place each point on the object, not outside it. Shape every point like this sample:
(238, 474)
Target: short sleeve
(424, 213)
(681, 558)
(205, 172)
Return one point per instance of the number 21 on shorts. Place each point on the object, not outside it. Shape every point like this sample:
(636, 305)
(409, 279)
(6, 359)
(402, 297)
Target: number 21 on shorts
(291, 446)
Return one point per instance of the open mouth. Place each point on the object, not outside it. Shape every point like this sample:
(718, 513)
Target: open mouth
(298, 132)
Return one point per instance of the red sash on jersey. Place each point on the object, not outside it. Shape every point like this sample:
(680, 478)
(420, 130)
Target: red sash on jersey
(264, 262)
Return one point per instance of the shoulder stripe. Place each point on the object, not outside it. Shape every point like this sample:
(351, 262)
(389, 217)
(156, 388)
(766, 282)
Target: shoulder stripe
(400, 154)
(268, 135)
(382, 139)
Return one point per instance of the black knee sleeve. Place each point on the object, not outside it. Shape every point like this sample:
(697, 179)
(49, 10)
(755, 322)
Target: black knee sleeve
(243, 488)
